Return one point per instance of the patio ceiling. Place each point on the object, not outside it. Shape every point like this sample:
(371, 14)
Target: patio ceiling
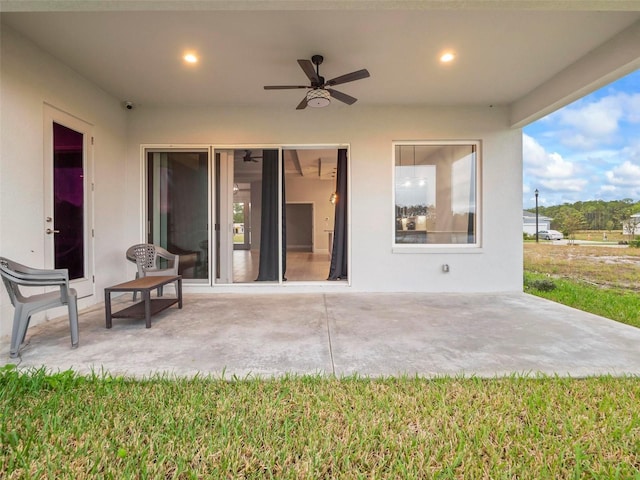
(533, 56)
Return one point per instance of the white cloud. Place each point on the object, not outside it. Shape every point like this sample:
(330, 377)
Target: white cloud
(632, 108)
(627, 174)
(565, 184)
(599, 118)
(631, 152)
(539, 163)
(586, 125)
(579, 141)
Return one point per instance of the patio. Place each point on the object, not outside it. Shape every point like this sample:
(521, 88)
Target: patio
(237, 335)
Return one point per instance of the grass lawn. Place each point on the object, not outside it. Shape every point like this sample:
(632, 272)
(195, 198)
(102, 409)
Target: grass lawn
(65, 426)
(606, 266)
(600, 280)
(616, 304)
(60, 425)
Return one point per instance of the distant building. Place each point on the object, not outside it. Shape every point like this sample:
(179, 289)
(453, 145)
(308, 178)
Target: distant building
(632, 225)
(529, 222)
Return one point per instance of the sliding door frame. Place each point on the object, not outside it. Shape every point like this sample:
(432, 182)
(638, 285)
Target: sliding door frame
(212, 195)
(145, 231)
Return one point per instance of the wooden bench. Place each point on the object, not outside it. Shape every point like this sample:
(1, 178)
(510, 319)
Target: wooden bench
(148, 306)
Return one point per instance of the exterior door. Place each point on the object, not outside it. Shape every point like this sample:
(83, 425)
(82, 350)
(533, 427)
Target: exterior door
(68, 222)
(241, 224)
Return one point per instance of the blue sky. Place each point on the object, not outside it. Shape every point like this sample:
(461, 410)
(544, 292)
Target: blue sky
(588, 150)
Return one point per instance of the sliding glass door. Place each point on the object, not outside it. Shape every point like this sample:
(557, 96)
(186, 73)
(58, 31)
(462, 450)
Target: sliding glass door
(177, 191)
(311, 192)
(247, 215)
(276, 215)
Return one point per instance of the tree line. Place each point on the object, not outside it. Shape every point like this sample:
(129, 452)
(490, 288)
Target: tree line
(590, 215)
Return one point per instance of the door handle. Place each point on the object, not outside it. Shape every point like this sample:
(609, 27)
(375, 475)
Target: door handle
(50, 231)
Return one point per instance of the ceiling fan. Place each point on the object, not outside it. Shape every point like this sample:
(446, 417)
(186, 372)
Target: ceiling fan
(319, 93)
(248, 158)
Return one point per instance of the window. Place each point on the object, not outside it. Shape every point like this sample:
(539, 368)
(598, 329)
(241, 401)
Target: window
(69, 195)
(436, 193)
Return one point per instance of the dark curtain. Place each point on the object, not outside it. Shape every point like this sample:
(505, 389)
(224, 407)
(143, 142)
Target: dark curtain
(284, 226)
(338, 269)
(268, 267)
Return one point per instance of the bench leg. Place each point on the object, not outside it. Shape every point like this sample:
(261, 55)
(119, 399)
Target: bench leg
(107, 308)
(147, 307)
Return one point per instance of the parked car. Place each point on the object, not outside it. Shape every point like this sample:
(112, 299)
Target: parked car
(550, 235)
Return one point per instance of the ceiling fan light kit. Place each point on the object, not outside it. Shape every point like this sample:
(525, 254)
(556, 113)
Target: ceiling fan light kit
(318, 98)
(319, 95)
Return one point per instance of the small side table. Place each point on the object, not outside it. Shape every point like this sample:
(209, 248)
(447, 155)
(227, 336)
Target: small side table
(148, 306)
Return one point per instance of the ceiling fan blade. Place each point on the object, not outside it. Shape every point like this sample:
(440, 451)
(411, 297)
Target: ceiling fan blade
(349, 77)
(303, 104)
(284, 87)
(307, 66)
(343, 97)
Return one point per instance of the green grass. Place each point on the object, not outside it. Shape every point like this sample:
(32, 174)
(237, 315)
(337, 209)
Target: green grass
(66, 426)
(614, 303)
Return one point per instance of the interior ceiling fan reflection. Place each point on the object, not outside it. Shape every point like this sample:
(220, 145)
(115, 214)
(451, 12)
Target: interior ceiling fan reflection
(319, 93)
(248, 158)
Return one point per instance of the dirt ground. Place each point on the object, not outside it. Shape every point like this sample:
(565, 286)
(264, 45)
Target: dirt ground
(609, 266)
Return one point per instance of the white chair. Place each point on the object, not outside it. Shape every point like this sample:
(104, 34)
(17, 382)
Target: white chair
(14, 276)
(148, 258)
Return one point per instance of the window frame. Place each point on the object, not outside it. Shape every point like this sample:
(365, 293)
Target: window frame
(475, 247)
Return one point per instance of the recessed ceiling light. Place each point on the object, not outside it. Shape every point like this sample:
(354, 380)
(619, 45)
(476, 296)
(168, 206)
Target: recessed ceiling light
(447, 57)
(190, 58)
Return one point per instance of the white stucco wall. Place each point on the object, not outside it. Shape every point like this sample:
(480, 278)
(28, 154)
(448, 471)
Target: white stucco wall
(497, 266)
(29, 79)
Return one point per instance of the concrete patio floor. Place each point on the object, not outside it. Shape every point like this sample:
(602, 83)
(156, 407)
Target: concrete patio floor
(341, 334)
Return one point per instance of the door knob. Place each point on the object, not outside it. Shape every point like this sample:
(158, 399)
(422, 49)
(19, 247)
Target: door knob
(50, 231)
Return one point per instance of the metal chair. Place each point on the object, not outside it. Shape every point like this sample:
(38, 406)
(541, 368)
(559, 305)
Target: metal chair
(14, 276)
(148, 258)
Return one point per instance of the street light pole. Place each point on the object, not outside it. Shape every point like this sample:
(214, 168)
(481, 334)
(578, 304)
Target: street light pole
(536, 192)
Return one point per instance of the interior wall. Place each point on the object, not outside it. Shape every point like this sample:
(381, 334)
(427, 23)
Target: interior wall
(370, 131)
(316, 192)
(299, 227)
(29, 79)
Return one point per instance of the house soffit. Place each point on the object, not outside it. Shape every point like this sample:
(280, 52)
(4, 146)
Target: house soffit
(505, 51)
